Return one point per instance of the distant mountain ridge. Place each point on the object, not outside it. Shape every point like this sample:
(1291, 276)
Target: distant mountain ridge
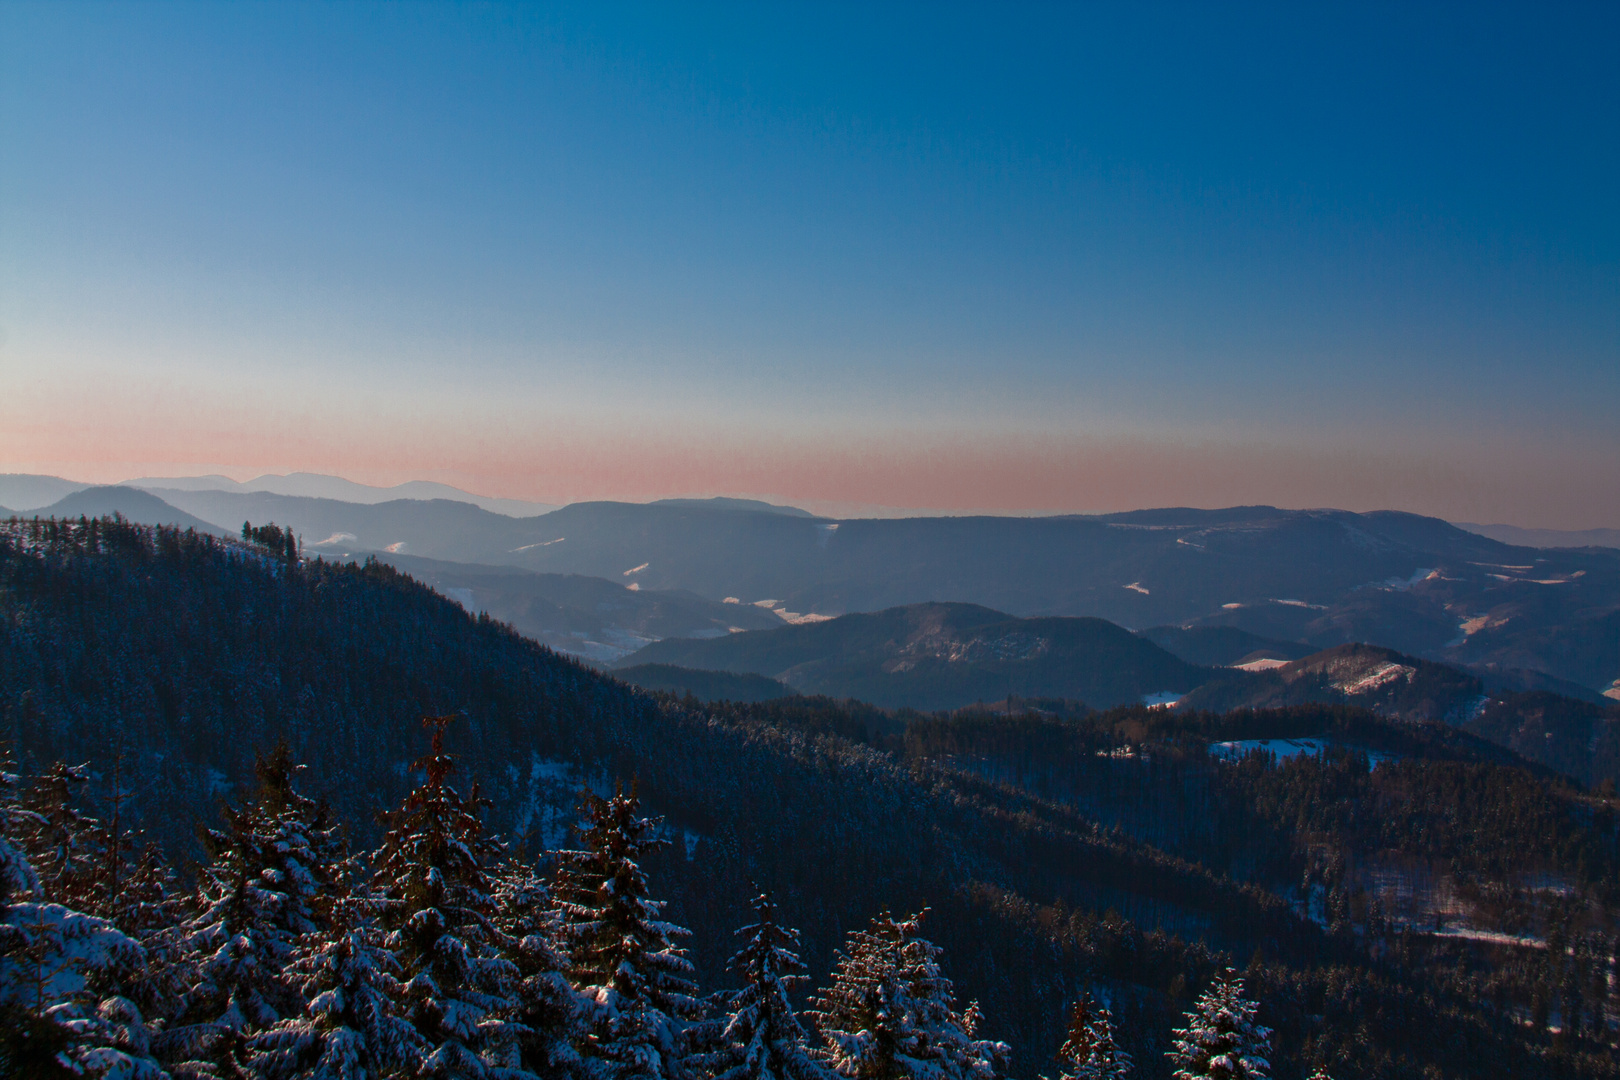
(1319, 578)
(1546, 538)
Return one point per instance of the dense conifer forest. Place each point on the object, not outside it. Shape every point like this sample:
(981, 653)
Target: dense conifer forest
(249, 858)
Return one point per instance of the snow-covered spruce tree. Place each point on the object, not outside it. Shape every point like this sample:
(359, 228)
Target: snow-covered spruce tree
(1222, 1039)
(353, 1027)
(760, 1037)
(890, 1013)
(1074, 1056)
(59, 1013)
(550, 1013)
(438, 910)
(622, 956)
(66, 847)
(270, 881)
(1108, 1061)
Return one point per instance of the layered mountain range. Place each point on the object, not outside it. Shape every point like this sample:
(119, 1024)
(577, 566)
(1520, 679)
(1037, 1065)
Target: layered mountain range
(1316, 579)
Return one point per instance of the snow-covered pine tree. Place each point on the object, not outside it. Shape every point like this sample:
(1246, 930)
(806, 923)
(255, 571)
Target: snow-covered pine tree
(353, 1027)
(1222, 1039)
(622, 956)
(269, 882)
(1320, 1073)
(65, 846)
(890, 1013)
(438, 908)
(550, 1012)
(59, 1014)
(761, 1038)
(1074, 1056)
(1108, 1061)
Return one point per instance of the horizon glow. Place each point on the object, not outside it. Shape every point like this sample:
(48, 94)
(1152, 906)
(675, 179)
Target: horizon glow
(1039, 260)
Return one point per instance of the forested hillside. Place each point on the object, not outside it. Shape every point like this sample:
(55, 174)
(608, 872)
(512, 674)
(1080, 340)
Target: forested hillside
(1109, 854)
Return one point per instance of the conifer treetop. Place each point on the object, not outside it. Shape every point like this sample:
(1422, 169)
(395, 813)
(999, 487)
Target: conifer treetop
(1222, 1039)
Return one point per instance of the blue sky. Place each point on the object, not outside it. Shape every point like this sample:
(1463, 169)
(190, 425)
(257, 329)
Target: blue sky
(989, 257)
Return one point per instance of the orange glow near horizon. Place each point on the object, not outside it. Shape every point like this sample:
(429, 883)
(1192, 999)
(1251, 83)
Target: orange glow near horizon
(832, 473)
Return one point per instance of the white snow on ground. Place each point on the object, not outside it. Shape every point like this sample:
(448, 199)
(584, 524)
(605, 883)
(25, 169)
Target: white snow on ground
(1161, 700)
(1283, 748)
(396, 548)
(1136, 586)
(1491, 936)
(795, 618)
(789, 616)
(637, 569)
(1613, 691)
(1230, 607)
(634, 586)
(543, 543)
(731, 600)
(1264, 664)
(1422, 573)
(335, 538)
(1299, 603)
(1382, 675)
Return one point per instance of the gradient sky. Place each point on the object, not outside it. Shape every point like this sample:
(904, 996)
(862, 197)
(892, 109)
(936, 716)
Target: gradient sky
(997, 257)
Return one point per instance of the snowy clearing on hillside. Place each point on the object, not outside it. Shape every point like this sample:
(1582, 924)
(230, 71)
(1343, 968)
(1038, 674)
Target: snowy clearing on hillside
(543, 543)
(1264, 664)
(1382, 675)
(1136, 586)
(1164, 699)
(637, 569)
(1283, 748)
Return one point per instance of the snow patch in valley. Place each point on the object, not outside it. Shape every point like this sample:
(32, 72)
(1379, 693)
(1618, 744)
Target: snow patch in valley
(787, 616)
(1230, 607)
(1421, 574)
(1136, 586)
(1163, 699)
(396, 548)
(1299, 603)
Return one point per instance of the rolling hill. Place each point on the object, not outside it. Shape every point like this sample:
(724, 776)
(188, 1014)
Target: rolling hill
(944, 656)
(1319, 578)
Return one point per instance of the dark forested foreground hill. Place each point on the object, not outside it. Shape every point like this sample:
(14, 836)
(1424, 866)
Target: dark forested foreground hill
(1112, 853)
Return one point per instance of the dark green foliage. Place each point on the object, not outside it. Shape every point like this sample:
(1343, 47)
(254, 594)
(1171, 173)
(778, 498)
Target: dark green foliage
(703, 685)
